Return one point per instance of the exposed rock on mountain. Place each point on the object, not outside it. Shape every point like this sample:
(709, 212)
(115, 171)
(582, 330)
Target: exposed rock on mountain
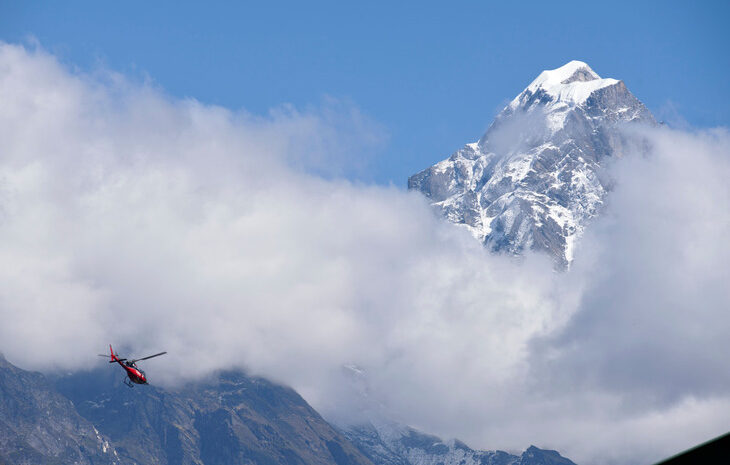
(231, 418)
(39, 425)
(534, 179)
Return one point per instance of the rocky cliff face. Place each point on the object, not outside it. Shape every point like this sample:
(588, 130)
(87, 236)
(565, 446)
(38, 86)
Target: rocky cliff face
(534, 179)
(39, 425)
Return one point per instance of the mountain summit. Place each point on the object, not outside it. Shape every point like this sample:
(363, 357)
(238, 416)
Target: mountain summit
(533, 179)
(571, 83)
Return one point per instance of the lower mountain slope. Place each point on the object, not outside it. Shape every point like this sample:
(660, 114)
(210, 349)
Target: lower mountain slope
(39, 425)
(91, 418)
(230, 418)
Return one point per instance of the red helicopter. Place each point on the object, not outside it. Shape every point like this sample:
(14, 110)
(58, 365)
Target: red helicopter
(134, 374)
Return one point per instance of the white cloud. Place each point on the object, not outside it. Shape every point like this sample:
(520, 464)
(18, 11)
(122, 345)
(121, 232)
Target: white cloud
(130, 217)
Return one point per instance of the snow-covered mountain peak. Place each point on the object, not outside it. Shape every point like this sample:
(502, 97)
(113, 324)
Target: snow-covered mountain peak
(534, 179)
(572, 83)
(565, 73)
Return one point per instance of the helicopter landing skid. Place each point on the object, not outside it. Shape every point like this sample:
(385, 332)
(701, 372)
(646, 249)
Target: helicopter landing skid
(128, 383)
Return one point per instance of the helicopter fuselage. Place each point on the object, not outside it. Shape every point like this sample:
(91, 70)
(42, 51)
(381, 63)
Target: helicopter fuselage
(134, 374)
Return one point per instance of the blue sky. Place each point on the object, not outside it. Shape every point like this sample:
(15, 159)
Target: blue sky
(432, 74)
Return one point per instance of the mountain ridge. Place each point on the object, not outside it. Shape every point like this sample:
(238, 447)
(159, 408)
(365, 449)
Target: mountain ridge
(91, 418)
(389, 443)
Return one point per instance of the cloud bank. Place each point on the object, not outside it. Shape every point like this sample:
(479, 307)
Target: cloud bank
(229, 240)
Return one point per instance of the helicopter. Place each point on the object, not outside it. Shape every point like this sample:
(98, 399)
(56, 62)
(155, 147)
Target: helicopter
(134, 374)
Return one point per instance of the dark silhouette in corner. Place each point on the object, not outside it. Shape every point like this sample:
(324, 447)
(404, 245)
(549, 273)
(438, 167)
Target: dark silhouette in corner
(711, 451)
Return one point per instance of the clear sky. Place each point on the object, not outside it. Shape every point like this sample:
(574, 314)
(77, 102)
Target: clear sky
(433, 74)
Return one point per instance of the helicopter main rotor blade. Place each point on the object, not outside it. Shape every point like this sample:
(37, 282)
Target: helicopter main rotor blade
(149, 356)
(117, 360)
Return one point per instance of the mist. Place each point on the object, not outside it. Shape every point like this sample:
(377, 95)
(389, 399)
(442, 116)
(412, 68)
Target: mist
(233, 240)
